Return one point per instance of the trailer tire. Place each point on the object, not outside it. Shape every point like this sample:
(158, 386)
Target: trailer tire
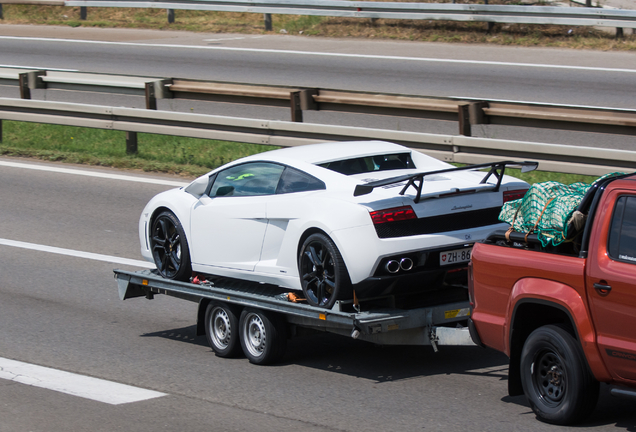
(222, 329)
(555, 376)
(263, 336)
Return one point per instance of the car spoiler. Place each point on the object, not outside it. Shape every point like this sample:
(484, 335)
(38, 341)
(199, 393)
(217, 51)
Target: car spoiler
(417, 180)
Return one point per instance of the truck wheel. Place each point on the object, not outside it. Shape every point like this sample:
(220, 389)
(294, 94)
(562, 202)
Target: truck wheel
(323, 275)
(222, 329)
(169, 247)
(263, 336)
(555, 377)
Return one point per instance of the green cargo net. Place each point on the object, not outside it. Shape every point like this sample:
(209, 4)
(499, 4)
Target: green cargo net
(549, 209)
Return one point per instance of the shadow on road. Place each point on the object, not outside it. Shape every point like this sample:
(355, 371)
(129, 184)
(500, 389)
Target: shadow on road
(183, 334)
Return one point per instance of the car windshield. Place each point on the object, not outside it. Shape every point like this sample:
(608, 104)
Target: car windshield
(371, 163)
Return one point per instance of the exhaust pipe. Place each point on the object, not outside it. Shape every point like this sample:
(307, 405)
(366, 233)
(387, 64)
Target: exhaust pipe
(392, 266)
(406, 264)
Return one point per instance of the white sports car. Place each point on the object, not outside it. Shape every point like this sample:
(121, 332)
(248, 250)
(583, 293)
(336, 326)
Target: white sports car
(329, 219)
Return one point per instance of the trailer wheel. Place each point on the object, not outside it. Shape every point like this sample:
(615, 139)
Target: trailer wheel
(555, 377)
(263, 336)
(323, 275)
(222, 329)
(169, 247)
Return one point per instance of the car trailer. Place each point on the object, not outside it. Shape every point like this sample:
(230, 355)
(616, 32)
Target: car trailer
(256, 319)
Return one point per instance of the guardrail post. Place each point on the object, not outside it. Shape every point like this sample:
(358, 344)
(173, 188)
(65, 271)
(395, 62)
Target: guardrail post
(463, 112)
(25, 91)
(131, 143)
(491, 25)
(1, 13)
(30, 80)
(170, 16)
(268, 21)
(83, 13)
(619, 32)
(307, 101)
(476, 113)
(151, 99)
(296, 111)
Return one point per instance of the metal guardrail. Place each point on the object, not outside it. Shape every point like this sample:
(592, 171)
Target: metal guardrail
(395, 10)
(298, 100)
(461, 149)
(530, 14)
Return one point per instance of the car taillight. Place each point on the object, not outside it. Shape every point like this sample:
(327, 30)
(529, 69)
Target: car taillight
(514, 194)
(394, 214)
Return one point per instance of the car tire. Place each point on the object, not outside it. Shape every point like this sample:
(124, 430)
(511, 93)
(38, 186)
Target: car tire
(323, 275)
(263, 336)
(555, 376)
(222, 329)
(169, 247)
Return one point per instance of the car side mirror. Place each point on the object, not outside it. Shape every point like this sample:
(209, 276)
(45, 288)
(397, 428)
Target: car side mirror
(198, 187)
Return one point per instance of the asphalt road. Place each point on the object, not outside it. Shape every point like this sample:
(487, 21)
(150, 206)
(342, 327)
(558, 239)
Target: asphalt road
(572, 77)
(63, 312)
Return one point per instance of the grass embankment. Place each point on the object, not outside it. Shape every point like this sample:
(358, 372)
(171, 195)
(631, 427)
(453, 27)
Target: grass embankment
(157, 153)
(252, 23)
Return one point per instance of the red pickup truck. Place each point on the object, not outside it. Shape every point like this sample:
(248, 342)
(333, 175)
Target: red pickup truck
(566, 315)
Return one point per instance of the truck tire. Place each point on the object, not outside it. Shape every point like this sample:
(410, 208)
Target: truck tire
(263, 336)
(222, 329)
(555, 376)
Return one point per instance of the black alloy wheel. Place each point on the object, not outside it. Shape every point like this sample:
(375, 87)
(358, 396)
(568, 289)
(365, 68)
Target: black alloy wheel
(323, 275)
(170, 247)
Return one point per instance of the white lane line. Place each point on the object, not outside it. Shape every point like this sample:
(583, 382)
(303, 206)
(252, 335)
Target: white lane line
(38, 68)
(93, 174)
(73, 384)
(232, 38)
(326, 54)
(77, 254)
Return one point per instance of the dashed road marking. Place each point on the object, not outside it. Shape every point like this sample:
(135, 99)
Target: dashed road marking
(73, 384)
(77, 254)
(96, 174)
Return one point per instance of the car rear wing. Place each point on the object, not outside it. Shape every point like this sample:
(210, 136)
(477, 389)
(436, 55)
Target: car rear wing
(417, 180)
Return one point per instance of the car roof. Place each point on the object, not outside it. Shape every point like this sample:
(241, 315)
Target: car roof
(328, 152)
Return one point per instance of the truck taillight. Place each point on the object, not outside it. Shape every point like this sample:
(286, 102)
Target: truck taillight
(394, 214)
(514, 194)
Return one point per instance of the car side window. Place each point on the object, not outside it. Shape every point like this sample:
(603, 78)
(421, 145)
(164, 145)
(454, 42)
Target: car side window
(622, 235)
(249, 179)
(294, 180)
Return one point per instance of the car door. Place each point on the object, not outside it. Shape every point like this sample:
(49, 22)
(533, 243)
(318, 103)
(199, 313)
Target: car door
(293, 200)
(229, 223)
(611, 285)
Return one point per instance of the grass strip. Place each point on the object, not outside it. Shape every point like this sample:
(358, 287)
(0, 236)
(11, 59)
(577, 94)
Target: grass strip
(156, 153)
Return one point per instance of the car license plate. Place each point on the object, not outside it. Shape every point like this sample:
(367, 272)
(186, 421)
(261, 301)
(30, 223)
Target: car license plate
(454, 256)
